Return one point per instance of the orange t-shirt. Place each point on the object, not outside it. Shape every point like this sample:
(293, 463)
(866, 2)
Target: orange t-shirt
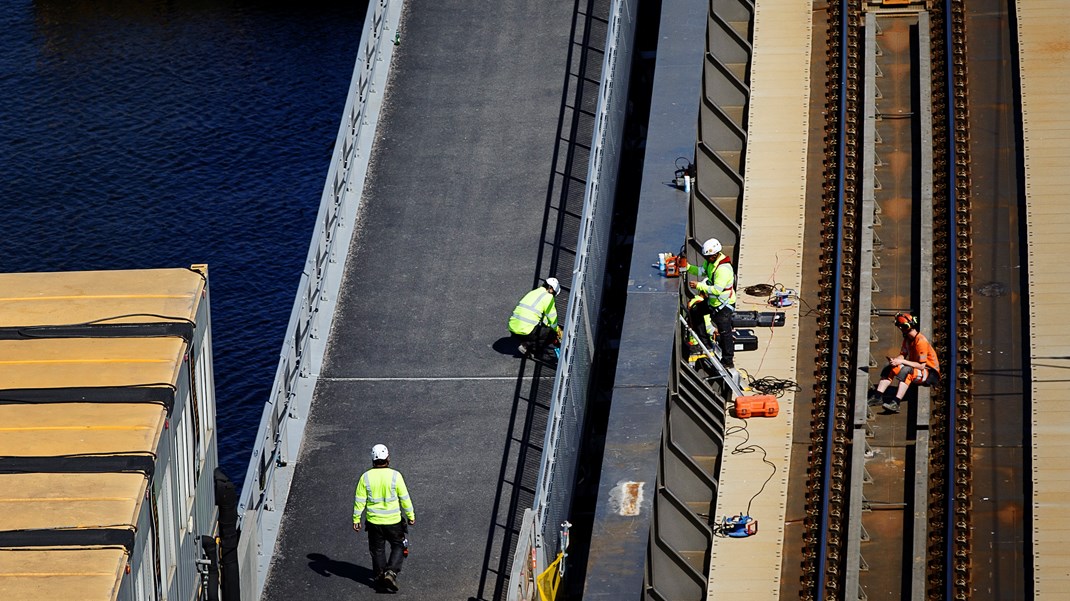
(919, 350)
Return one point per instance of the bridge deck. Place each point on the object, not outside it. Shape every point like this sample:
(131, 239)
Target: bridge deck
(454, 230)
(451, 235)
(771, 252)
(1042, 59)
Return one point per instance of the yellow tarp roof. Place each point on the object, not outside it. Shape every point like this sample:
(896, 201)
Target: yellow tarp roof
(61, 574)
(63, 501)
(47, 430)
(89, 362)
(61, 298)
(40, 505)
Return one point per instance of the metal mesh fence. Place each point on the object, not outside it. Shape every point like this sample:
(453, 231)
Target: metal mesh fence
(553, 493)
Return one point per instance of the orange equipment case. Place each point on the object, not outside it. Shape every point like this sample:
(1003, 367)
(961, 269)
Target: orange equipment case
(764, 405)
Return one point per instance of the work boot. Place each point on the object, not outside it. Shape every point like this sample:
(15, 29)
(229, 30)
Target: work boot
(390, 581)
(875, 398)
(892, 405)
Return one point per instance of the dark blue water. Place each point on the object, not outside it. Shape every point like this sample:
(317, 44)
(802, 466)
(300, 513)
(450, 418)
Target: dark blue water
(154, 133)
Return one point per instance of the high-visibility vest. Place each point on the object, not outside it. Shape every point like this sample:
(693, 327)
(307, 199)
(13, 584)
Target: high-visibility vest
(722, 289)
(382, 492)
(537, 307)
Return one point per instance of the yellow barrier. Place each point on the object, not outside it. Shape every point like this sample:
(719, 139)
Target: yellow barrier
(549, 580)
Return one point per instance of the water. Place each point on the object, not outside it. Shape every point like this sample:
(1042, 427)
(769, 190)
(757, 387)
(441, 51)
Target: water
(152, 133)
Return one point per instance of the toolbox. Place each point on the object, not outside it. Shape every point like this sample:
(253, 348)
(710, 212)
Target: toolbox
(745, 340)
(764, 405)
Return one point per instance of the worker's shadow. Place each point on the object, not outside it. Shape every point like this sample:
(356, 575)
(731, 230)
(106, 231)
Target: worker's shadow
(563, 216)
(327, 567)
(507, 346)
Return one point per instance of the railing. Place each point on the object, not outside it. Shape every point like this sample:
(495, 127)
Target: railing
(553, 490)
(722, 124)
(692, 441)
(282, 424)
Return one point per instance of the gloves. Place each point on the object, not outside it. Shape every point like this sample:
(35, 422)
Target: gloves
(681, 262)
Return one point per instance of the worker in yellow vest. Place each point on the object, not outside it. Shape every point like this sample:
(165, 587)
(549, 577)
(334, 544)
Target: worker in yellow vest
(381, 492)
(534, 320)
(718, 286)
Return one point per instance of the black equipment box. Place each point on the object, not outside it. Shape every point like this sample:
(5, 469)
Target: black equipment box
(754, 319)
(745, 340)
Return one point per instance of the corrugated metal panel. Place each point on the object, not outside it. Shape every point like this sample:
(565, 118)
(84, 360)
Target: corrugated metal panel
(1044, 61)
(770, 250)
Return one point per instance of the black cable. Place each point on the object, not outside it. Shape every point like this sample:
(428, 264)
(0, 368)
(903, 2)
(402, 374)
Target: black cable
(168, 326)
(774, 386)
(809, 310)
(157, 315)
(751, 448)
(759, 290)
(27, 330)
(687, 165)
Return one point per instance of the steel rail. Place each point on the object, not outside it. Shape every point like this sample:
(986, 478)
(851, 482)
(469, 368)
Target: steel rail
(956, 580)
(947, 497)
(949, 506)
(825, 571)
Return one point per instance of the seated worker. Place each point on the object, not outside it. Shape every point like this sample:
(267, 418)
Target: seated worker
(916, 364)
(534, 320)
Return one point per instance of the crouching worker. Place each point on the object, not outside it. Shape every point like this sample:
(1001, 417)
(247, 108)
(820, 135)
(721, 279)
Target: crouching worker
(718, 289)
(916, 364)
(534, 321)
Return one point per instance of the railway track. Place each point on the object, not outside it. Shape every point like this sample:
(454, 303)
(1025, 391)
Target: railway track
(896, 237)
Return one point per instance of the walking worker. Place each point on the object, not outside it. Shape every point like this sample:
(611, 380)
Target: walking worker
(915, 364)
(534, 320)
(381, 491)
(718, 286)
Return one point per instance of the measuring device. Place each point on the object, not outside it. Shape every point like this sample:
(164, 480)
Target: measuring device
(738, 526)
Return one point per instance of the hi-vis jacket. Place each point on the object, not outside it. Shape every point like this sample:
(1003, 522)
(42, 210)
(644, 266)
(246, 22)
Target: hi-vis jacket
(720, 283)
(382, 492)
(536, 307)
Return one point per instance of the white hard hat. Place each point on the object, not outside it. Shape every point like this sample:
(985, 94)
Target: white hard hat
(711, 247)
(380, 453)
(554, 284)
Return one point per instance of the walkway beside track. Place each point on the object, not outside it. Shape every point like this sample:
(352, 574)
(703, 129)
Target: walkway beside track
(459, 215)
(770, 252)
(1043, 57)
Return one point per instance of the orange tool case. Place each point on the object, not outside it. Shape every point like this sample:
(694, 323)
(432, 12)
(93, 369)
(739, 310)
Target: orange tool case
(764, 405)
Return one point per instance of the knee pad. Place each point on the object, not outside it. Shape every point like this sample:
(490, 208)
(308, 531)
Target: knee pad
(902, 373)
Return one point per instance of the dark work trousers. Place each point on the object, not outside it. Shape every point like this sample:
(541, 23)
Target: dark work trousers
(379, 536)
(722, 318)
(539, 340)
